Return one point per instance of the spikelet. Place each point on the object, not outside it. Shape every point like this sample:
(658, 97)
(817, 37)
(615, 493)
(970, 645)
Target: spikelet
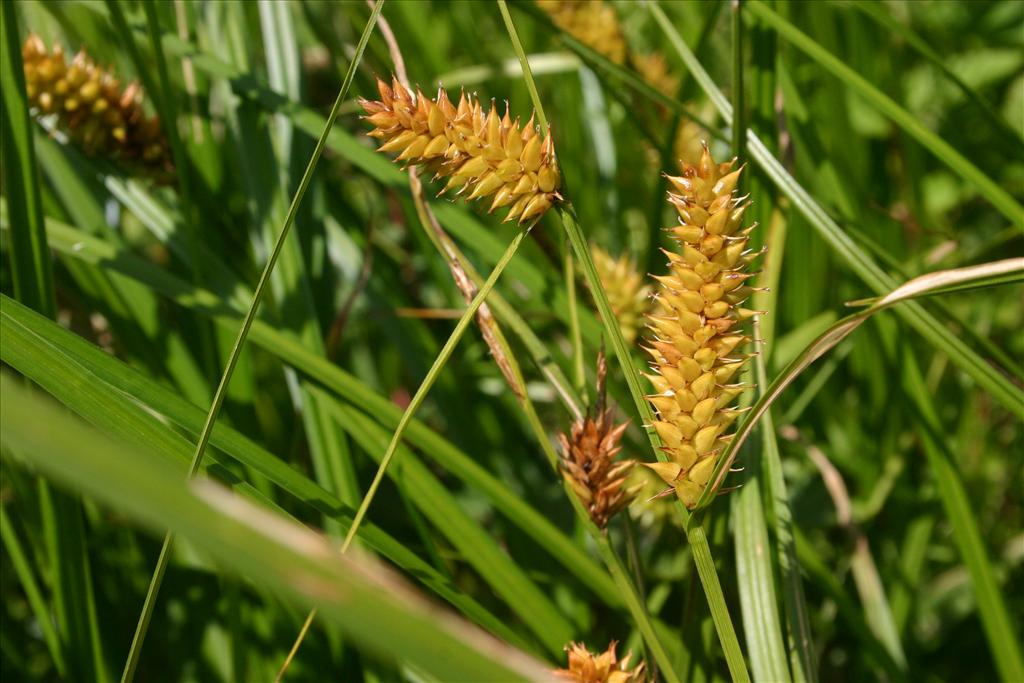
(585, 667)
(588, 459)
(689, 143)
(627, 292)
(98, 115)
(480, 153)
(592, 22)
(694, 340)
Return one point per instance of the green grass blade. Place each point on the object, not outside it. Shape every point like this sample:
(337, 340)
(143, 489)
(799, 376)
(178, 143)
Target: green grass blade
(31, 272)
(211, 418)
(29, 257)
(375, 608)
(995, 618)
(988, 188)
(23, 570)
(82, 377)
(75, 244)
(505, 577)
(839, 331)
(421, 393)
(755, 572)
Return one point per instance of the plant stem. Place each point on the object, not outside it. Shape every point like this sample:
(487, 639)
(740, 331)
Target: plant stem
(218, 398)
(636, 607)
(428, 381)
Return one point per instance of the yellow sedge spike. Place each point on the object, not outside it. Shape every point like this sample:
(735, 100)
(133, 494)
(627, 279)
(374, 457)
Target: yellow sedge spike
(695, 342)
(586, 667)
(481, 153)
(588, 459)
(655, 71)
(90, 105)
(628, 294)
(592, 22)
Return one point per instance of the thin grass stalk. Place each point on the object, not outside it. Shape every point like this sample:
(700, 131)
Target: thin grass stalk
(739, 105)
(698, 539)
(579, 375)
(182, 162)
(23, 570)
(154, 587)
(431, 377)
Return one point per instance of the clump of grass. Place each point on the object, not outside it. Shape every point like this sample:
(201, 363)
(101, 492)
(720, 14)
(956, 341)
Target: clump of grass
(480, 153)
(90, 105)
(587, 667)
(697, 308)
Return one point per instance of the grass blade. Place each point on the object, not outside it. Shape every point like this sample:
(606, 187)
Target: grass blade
(840, 330)
(428, 381)
(97, 387)
(75, 244)
(374, 607)
(29, 258)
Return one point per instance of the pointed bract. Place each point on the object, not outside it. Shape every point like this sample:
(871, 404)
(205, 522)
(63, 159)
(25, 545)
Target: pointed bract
(586, 667)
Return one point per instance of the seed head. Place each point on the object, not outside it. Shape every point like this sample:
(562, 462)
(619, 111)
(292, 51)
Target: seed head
(97, 114)
(694, 340)
(592, 22)
(585, 667)
(627, 292)
(588, 460)
(479, 152)
(655, 71)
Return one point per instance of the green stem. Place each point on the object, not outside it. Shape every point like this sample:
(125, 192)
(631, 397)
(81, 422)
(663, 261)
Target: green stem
(250, 316)
(636, 607)
(716, 601)
(428, 381)
(527, 72)
(579, 374)
(739, 118)
(182, 162)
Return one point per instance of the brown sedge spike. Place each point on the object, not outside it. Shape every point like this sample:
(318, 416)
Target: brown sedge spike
(588, 462)
(481, 153)
(586, 667)
(694, 338)
(91, 106)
